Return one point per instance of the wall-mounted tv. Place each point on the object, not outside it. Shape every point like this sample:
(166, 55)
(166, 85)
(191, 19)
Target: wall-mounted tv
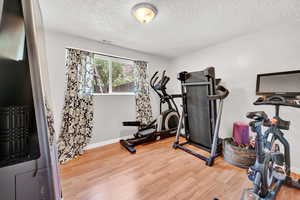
(281, 83)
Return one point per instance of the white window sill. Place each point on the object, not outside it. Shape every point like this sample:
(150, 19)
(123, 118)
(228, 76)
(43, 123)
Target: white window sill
(114, 94)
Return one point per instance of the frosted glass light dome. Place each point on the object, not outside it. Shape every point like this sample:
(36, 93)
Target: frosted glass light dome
(144, 12)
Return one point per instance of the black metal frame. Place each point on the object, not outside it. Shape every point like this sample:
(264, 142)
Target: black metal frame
(256, 172)
(214, 116)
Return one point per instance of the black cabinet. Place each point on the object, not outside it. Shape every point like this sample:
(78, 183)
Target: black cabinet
(28, 165)
(18, 131)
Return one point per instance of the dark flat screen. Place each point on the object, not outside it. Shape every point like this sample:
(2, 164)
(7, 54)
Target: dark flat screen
(279, 83)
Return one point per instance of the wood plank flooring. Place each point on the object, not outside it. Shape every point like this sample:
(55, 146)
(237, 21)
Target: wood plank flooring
(155, 172)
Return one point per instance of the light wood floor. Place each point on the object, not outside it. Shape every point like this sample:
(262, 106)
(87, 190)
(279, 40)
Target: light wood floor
(155, 172)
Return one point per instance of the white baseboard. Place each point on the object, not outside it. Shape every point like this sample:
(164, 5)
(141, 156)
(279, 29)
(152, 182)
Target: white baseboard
(106, 142)
(295, 170)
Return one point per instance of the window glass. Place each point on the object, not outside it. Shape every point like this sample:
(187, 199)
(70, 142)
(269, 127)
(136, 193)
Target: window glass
(122, 77)
(101, 80)
(113, 75)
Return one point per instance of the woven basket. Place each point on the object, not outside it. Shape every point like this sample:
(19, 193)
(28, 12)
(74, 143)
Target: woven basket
(238, 156)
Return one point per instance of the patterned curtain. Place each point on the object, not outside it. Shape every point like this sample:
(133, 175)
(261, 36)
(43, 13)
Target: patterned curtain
(50, 123)
(78, 111)
(142, 97)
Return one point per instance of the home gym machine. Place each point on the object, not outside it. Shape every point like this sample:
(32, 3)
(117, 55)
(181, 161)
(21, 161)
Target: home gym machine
(162, 127)
(200, 114)
(272, 167)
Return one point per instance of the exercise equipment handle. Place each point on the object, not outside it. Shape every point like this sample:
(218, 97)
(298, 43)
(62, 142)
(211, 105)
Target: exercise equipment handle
(153, 77)
(165, 81)
(154, 82)
(257, 116)
(163, 74)
(276, 100)
(221, 93)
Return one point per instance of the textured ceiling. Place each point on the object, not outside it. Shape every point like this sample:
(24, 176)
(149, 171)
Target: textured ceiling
(181, 26)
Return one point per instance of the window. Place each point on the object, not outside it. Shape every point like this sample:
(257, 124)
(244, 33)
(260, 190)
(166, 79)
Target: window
(113, 76)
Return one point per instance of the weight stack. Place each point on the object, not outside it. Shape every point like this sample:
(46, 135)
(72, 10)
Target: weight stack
(15, 129)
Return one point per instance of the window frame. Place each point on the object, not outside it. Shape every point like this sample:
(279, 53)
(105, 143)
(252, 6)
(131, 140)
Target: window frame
(110, 60)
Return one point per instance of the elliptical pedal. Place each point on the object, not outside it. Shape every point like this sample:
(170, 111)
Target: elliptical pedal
(128, 146)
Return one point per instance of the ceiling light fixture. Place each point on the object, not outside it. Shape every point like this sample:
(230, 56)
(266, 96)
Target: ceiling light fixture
(144, 12)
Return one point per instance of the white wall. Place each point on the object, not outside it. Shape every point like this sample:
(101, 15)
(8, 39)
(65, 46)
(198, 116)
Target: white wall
(110, 111)
(237, 62)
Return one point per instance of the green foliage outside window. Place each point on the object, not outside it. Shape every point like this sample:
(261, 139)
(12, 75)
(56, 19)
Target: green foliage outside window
(122, 76)
(102, 76)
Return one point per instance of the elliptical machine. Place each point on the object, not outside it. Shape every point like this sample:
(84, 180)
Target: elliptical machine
(164, 126)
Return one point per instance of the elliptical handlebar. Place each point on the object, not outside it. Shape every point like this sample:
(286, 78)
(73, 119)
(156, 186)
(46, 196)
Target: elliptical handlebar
(153, 84)
(158, 85)
(163, 74)
(162, 80)
(153, 79)
(165, 81)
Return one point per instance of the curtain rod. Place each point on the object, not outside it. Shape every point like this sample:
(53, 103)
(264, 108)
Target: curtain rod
(103, 54)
